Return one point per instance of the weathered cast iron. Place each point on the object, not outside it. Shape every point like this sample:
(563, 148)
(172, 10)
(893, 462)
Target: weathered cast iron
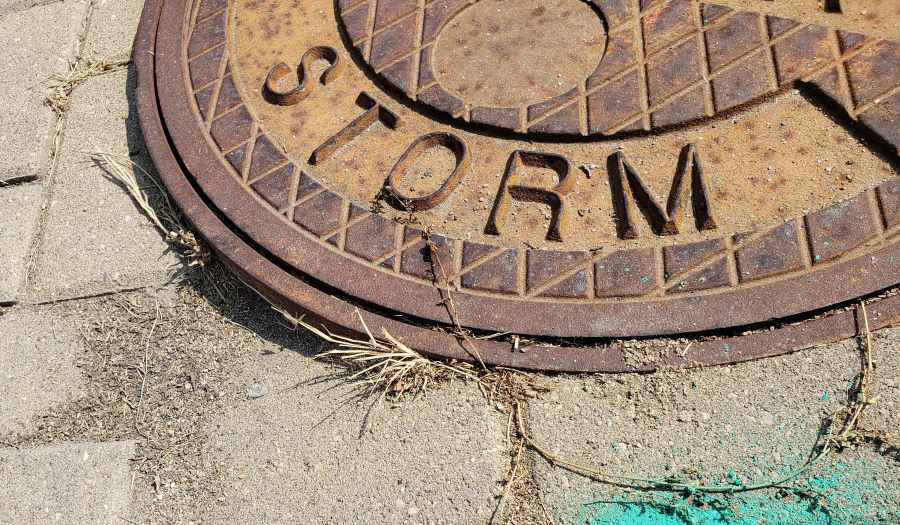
(297, 138)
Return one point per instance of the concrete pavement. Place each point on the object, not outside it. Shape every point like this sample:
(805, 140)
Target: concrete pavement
(125, 380)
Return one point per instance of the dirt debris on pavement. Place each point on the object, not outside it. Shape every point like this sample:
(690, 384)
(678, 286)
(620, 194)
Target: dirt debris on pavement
(160, 366)
(195, 373)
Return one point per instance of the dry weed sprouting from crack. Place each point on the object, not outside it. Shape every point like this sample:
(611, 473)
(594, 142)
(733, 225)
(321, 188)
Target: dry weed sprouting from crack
(843, 432)
(392, 370)
(461, 332)
(79, 72)
(388, 364)
(169, 220)
(385, 366)
(61, 86)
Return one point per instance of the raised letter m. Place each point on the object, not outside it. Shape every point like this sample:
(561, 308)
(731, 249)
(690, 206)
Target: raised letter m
(689, 178)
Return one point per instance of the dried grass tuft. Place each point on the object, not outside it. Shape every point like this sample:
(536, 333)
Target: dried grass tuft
(392, 369)
(61, 87)
(169, 220)
(80, 71)
(386, 366)
(389, 369)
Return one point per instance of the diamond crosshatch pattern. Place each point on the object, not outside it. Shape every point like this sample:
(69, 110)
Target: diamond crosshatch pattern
(692, 267)
(282, 223)
(666, 63)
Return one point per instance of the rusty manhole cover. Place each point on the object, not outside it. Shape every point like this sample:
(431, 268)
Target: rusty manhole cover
(555, 175)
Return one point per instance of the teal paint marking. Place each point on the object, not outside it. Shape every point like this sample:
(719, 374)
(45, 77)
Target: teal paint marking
(840, 494)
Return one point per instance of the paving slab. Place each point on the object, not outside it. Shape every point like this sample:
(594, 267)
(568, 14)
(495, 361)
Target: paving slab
(741, 423)
(295, 454)
(67, 483)
(95, 239)
(885, 413)
(20, 208)
(112, 28)
(11, 6)
(38, 43)
(37, 367)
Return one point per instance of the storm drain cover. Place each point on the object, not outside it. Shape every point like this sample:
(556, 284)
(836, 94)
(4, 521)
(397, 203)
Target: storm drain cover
(526, 182)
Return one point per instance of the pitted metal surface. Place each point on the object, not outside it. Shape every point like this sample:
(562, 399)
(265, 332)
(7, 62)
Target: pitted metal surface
(665, 179)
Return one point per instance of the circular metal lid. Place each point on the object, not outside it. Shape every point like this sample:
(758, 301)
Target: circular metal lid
(563, 171)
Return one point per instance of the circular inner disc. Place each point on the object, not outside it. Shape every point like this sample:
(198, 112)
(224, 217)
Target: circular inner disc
(565, 169)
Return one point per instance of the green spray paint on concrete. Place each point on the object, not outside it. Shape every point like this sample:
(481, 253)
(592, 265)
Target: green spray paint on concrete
(840, 493)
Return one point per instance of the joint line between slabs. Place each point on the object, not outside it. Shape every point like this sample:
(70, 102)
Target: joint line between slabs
(52, 160)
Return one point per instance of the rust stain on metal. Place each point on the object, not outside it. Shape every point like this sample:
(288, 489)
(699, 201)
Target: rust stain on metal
(668, 168)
